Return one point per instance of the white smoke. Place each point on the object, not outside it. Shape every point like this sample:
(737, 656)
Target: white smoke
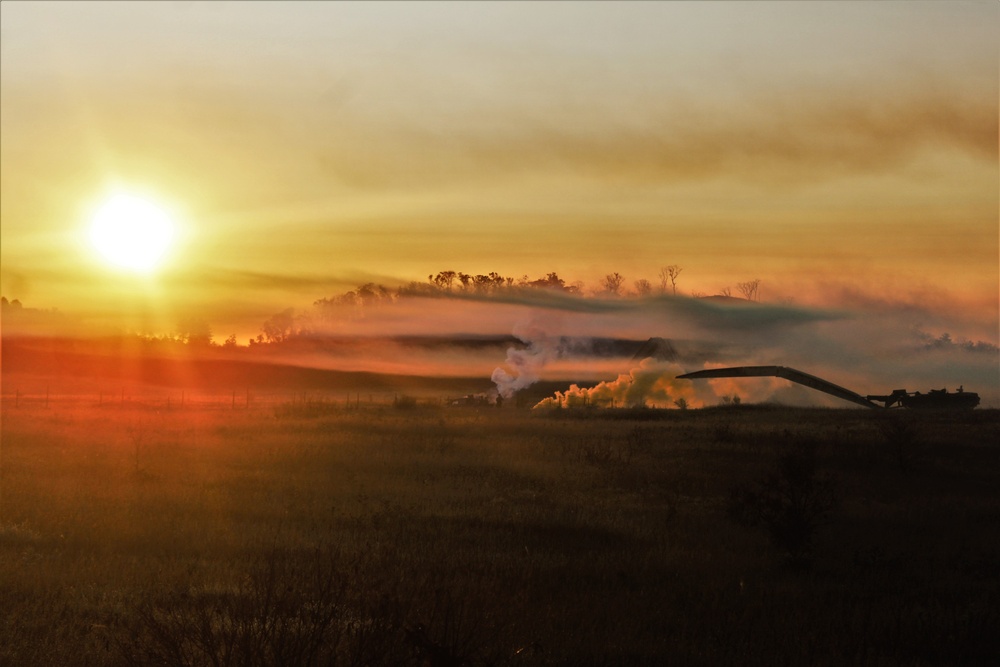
(524, 366)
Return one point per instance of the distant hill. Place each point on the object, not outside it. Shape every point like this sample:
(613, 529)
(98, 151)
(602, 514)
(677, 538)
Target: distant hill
(296, 365)
(60, 358)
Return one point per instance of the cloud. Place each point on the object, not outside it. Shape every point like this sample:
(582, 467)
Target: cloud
(776, 137)
(724, 313)
(257, 280)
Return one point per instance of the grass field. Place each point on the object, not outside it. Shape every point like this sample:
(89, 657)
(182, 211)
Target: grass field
(312, 534)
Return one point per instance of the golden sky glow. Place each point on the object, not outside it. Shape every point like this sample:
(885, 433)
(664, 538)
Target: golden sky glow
(822, 147)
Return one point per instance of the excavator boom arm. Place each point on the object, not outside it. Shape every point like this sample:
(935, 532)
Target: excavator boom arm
(783, 372)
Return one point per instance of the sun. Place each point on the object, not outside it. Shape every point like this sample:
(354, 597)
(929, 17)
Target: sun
(131, 233)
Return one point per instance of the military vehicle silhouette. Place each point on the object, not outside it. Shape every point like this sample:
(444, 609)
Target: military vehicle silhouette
(935, 399)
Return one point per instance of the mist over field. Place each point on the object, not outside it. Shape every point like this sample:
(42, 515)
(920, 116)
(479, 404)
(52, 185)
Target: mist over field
(521, 337)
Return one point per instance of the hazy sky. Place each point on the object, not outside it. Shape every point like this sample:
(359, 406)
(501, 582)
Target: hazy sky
(825, 148)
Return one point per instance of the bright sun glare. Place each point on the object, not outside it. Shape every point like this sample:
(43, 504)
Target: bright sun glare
(131, 233)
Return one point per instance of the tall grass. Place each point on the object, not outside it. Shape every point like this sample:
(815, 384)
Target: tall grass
(381, 536)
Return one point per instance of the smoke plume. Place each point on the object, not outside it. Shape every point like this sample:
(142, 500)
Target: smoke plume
(524, 365)
(652, 383)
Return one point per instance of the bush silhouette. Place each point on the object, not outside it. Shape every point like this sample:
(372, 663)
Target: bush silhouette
(790, 504)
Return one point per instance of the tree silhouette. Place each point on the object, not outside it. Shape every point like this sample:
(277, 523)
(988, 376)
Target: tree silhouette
(484, 284)
(550, 281)
(668, 274)
(749, 289)
(371, 294)
(195, 331)
(280, 326)
(443, 280)
(612, 283)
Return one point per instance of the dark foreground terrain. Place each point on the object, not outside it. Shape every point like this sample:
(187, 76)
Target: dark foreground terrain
(307, 533)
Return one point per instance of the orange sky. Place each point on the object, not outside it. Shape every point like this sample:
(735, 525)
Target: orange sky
(828, 149)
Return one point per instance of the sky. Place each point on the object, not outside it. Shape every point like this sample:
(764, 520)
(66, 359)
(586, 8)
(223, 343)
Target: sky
(844, 153)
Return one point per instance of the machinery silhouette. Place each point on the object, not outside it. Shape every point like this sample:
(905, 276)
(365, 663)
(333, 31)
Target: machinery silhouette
(935, 399)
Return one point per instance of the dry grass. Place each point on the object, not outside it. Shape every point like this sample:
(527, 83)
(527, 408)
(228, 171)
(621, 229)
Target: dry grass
(490, 537)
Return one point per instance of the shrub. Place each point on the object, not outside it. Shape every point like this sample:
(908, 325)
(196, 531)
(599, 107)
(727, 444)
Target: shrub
(790, 504)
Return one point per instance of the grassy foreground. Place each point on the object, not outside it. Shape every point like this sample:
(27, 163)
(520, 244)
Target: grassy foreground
(431, 536)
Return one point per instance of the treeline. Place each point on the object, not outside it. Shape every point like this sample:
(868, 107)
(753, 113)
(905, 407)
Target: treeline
(458, 282)
(452, 282)
(352, 304)
(446, 282)
(287, 324)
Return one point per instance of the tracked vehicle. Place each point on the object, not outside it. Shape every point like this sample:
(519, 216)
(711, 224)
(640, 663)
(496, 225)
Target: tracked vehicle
(935, 399)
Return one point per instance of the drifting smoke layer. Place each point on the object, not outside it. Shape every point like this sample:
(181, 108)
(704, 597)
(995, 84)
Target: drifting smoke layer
(651, 383)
